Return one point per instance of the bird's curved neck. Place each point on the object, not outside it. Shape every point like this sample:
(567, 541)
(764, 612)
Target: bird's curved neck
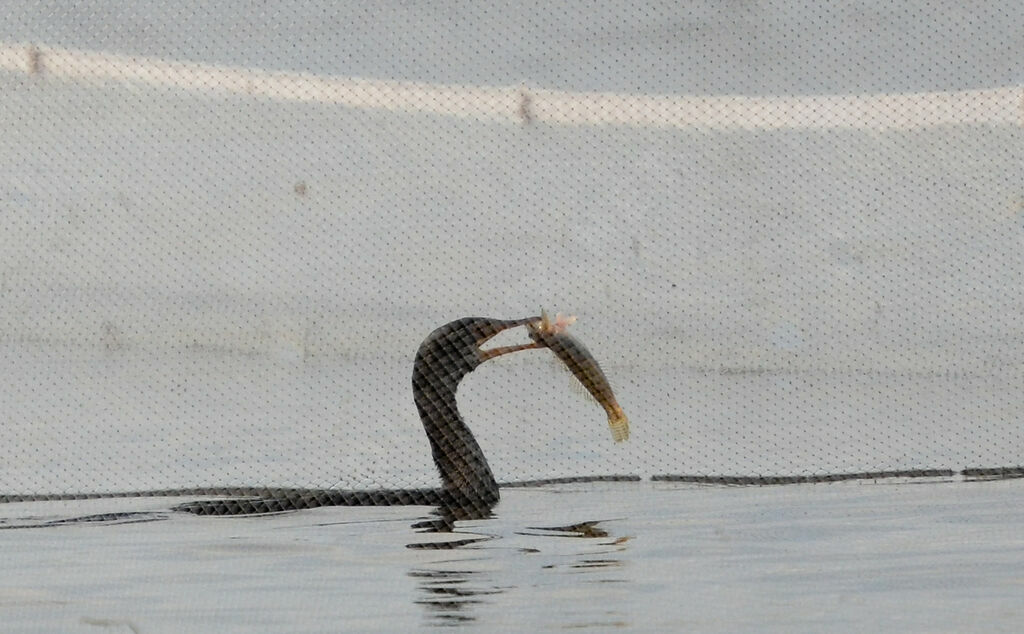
(464, 470)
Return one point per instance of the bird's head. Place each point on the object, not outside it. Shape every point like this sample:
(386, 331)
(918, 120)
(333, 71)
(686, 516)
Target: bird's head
(456, 349)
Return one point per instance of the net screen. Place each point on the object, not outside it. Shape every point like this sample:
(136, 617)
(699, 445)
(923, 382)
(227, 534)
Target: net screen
(791, 234)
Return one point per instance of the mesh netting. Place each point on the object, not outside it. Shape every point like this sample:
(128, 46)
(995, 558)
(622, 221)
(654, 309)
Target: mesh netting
(792, 235)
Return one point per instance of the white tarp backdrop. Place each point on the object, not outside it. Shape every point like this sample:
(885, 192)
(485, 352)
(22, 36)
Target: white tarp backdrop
(793, 234)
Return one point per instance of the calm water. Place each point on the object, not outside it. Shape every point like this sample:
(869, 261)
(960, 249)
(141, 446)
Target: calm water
(939, 556)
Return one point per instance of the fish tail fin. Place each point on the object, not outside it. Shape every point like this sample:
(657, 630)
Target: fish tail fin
(619, 424)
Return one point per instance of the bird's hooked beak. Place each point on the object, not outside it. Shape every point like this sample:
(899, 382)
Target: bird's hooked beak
(491, 353)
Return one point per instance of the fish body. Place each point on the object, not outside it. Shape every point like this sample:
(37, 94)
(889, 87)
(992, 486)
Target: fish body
(584, 367)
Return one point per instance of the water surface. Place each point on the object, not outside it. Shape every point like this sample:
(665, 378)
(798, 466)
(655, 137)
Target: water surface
(937, 556)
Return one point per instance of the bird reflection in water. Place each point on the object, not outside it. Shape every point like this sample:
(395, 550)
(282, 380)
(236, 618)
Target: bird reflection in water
(449, 595)
(444, 522)
(455, 591)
